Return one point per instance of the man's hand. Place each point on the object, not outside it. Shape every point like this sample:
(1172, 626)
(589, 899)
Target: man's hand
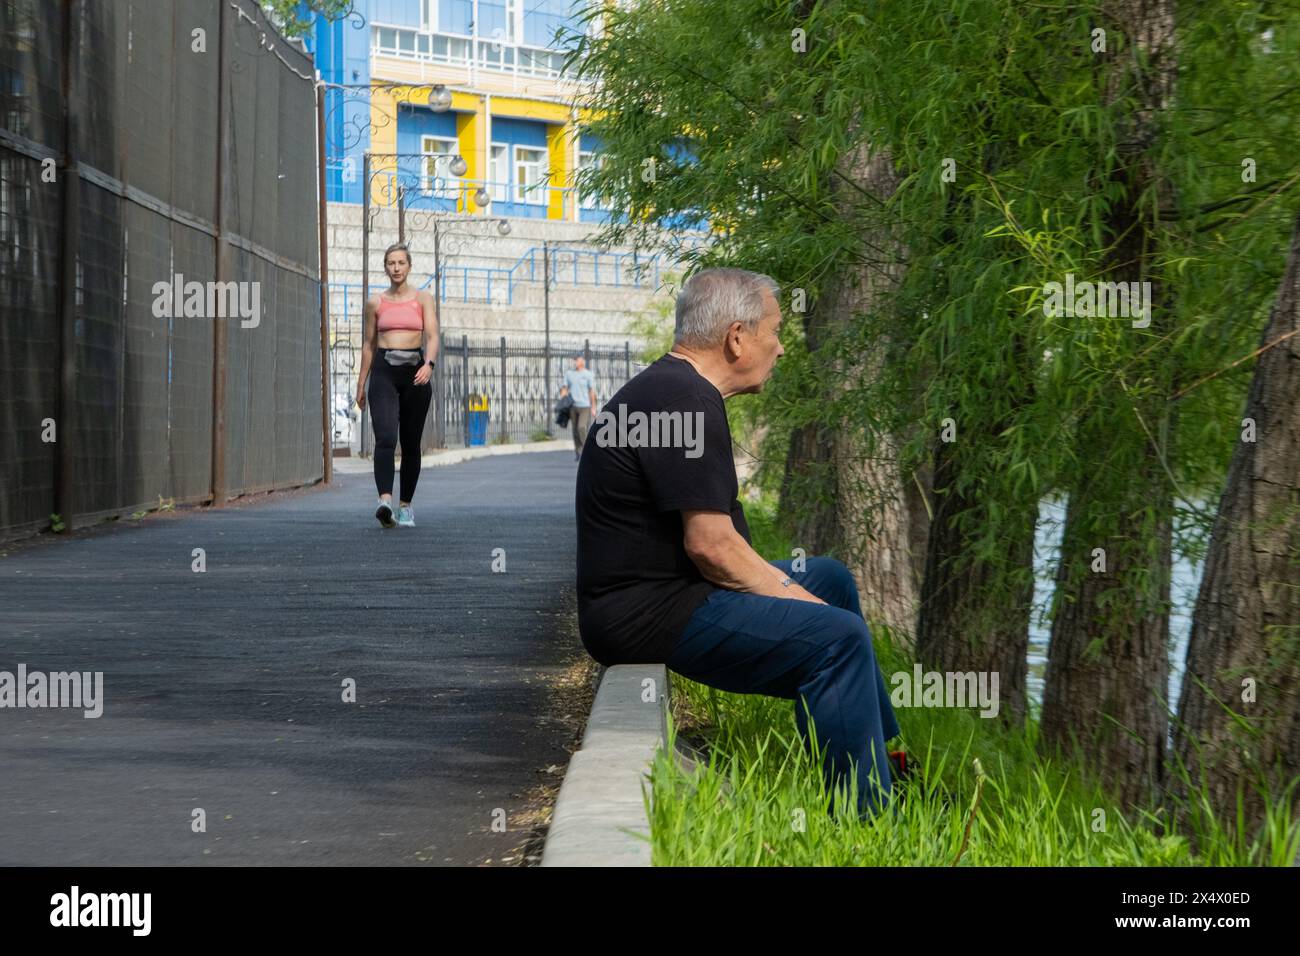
(803, 594)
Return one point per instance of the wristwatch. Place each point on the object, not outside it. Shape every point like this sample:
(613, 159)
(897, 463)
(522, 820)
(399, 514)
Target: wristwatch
(430, 363)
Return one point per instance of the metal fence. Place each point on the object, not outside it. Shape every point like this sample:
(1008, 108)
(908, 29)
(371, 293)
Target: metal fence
(497, 284)
(149, 150)
(512, 376)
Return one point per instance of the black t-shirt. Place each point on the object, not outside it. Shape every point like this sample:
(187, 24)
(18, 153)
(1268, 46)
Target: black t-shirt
(637, 587)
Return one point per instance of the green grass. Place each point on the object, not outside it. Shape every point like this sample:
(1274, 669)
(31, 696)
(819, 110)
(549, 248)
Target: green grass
(759, 799)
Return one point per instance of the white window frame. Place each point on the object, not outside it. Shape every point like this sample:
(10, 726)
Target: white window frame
(438, 154)
(496, 166)
(429, 16)
(523, 180)
(514, 21)
(586, 157)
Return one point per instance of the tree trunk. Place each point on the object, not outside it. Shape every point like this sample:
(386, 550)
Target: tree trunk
(1239, 714)
(972, 617)
(974, 614)
(843, 492)
(1107, 664)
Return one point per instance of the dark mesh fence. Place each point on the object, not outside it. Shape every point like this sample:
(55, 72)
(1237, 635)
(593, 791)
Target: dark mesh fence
(157, 189)
(31, 34)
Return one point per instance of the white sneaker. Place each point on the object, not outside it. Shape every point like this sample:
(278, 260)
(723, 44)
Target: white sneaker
(385, 514)
(406, 516)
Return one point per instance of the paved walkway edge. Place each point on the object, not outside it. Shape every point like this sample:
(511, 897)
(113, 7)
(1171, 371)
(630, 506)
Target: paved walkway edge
(452, 456)
(600, 809)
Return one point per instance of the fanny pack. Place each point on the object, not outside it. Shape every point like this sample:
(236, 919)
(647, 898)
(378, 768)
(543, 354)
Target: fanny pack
(403, 356)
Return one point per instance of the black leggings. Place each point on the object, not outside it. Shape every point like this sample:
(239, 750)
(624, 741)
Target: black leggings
(394, 397)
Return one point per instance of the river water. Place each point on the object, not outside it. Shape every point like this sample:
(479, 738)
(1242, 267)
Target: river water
(1047, 543)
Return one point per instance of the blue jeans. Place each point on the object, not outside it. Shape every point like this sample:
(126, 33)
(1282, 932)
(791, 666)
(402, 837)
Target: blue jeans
(751, 644)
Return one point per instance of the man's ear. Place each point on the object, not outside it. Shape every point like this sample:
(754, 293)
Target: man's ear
(734, 339)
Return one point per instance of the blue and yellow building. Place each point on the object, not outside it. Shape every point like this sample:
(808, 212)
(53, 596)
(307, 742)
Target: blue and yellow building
(508, 118)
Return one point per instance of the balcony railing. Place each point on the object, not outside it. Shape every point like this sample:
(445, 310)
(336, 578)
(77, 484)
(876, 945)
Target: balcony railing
(452, 50)
(496, 284)
(442, 192)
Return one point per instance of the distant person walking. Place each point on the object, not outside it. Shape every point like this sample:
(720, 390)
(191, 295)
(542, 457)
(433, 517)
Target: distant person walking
(580, 385)
(399, 349)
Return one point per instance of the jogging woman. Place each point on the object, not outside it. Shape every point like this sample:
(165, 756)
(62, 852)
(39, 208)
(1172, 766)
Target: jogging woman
(398, 351)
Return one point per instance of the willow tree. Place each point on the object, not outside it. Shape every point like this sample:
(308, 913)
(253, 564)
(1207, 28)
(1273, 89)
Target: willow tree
(1238, 730)
(1108, 664)
(966, 105)
(843, 491)
(1149, 445)
(1238, 735)
(977, 351)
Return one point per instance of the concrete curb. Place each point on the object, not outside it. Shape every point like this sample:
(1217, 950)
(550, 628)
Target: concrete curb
(600, 807)
(359, 466)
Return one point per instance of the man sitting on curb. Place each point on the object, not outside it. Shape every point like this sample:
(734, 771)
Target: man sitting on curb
(666, 573)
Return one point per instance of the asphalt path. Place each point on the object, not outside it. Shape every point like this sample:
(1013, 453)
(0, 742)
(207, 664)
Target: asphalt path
(223, 690)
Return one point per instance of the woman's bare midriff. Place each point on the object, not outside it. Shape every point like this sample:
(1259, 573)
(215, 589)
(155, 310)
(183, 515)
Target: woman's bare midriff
(401, 339)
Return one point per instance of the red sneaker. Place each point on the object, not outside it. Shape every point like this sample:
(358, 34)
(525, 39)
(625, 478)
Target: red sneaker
(898, 765)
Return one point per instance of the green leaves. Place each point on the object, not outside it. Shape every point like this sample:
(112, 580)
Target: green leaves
(1012, 94)
(296, 16)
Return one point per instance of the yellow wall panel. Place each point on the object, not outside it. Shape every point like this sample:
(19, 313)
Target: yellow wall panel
(469, 134)
(383, 139)
(559, 148)
(519, 108)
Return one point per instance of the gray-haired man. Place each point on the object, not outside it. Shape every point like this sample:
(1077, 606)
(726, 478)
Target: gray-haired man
(666, 571)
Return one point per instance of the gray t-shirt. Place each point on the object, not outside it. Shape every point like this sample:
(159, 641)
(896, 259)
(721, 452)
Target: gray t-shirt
(580, 383)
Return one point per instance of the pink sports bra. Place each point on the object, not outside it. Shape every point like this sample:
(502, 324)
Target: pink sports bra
(400, 316)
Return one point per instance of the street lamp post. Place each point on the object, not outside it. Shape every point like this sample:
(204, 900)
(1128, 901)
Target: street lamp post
(546, 309)
(365, 279)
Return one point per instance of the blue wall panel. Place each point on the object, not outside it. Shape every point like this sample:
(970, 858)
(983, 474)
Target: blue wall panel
(402, 13)
(454, 16)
